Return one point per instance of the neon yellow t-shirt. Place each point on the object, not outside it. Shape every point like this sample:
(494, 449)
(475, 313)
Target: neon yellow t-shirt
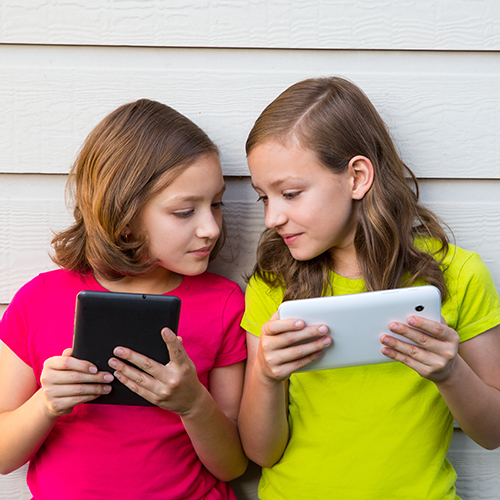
(376, 432)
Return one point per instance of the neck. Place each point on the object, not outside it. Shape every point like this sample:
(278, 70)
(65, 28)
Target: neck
(158, 282)
(345, 261)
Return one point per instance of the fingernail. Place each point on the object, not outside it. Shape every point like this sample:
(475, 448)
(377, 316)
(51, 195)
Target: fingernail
(92, 369)
(411, 320)
(107, 388)
(108, 377)
(298, 324)
(323, 329)
(119, 351)
(113, 363)
(327, 340)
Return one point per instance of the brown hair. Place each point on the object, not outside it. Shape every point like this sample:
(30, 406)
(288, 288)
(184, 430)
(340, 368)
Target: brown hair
(121, 165)
(333, 118)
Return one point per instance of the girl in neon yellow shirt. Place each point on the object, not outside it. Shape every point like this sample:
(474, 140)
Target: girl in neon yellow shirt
(342, 218)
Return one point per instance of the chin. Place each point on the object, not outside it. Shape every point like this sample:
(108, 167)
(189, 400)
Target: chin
(303, 256)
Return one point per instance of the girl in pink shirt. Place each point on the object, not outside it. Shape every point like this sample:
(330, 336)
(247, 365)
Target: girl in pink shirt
(148, 192)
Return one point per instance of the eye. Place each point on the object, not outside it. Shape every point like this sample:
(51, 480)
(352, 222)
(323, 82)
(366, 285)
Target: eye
(290, 196)
(218, 205)
(184, 215)
(263, 199)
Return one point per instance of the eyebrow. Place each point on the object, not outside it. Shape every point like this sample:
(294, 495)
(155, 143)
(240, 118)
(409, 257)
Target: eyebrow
(194, 198)
(278, 182)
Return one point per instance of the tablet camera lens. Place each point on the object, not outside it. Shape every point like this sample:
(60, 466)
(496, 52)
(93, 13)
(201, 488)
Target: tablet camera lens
(419, 308)
(143, 296)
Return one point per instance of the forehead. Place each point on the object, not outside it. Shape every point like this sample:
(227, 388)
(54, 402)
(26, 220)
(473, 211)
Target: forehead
(273, 163)
(198, 180)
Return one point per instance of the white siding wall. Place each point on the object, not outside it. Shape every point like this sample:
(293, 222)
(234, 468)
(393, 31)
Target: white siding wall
(431, 67)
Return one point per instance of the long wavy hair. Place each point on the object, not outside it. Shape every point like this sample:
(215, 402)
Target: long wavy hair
(333, 118)
(131, 155)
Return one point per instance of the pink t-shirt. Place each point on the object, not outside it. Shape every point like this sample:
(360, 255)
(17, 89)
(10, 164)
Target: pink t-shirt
(123, 452)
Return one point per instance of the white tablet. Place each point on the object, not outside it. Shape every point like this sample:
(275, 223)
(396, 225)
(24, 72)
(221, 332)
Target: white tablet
(357, 321)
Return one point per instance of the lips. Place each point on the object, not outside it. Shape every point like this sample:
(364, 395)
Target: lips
(290, 238)
(202, 252)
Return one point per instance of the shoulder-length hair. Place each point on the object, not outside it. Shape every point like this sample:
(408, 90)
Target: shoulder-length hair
(333, 118)
(121, 165)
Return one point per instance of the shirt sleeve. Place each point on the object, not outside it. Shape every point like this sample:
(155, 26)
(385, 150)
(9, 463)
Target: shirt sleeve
(261, 302)
(15, 323)
(233, 345)
(477, 301)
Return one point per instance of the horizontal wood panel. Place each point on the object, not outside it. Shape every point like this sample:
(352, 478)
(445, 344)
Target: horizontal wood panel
(477, 469)
(379, 24)
(442, 108)
(32, 206)
(13, 486)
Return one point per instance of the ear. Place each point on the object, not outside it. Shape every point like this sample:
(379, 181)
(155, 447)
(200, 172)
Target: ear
(125, 233)
(362, 173)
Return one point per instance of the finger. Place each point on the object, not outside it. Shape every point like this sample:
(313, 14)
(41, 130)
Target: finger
(137, 381)
(419, 337)
(69, 363)
(74, 377)
(68, 351)
(436, 329)
(63, 401)
(83, 391)
(174, 345)
(148, 365)
(290, 359)
(305, 335)
(282, 364)
(277, 326)
(403, 349)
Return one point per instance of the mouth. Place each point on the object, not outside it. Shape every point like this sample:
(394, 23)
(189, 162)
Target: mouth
(290, 238)
(202, 252)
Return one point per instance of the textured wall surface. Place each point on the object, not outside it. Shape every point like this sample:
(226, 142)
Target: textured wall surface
(432, 68)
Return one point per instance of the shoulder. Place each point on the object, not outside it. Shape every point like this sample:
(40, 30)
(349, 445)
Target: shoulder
(473, 304)
(258, 289)
(49, 290)
(455, 261)
(46, 281)
(261, 302)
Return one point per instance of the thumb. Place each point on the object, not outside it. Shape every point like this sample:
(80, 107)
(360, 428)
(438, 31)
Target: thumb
(174, 346)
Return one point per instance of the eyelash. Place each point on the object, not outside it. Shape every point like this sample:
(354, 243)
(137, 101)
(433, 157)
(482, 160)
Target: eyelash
(287, 196)
(218, 205)
(184, 215)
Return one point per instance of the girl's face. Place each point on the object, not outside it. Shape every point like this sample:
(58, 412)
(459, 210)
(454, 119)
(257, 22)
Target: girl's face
(307, 204)
(184, 220)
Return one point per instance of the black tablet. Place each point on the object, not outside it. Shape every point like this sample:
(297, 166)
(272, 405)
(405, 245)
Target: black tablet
(105, 320)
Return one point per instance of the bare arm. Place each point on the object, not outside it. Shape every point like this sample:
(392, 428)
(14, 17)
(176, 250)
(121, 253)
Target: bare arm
(28, 414)
(263, 416)
(212, 425)
(209, 417)
(466, 374)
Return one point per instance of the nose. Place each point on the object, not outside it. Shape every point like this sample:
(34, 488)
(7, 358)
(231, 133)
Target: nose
(275, 216)
(209, 227)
